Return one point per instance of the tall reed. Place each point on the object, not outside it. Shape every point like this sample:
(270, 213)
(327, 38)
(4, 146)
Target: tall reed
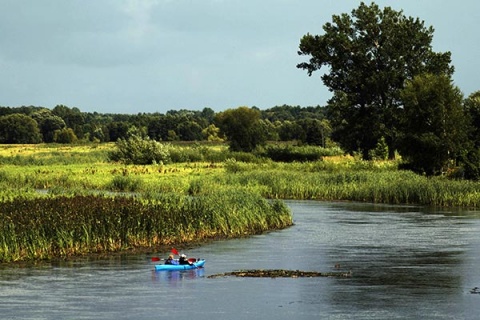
(60, 226)
(299, 181)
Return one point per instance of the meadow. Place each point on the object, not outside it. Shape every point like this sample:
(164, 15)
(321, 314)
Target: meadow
(62, 201)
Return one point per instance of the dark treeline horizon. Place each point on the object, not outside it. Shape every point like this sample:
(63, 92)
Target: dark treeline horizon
(63, 124)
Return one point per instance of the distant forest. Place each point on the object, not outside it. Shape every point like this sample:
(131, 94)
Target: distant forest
(62, 124)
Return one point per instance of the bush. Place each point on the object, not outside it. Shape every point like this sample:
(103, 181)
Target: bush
(245, 157)
(125, 183)
(138, 150)
(185, 155)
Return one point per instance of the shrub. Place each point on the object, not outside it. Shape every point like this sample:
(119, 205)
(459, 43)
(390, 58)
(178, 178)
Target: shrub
(138, 150)
(125, 183)
(180, 154)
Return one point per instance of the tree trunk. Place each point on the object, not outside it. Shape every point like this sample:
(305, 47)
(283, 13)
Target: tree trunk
(391, 148)
(365, 154)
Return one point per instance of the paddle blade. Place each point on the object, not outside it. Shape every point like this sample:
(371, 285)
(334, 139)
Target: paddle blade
(174, 251)
(192, 260)
(155, 259)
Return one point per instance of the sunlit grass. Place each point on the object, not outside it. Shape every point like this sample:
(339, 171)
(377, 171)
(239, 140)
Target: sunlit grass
(182, 201)
(333, 178)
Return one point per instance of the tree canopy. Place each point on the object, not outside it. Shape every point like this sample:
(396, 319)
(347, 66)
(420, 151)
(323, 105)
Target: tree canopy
(242, 127)
(370, 54)
(435, 128)
(19, 128)
(48, 123)
(470, 158)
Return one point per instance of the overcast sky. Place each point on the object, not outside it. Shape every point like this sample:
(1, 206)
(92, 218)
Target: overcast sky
(131, 56)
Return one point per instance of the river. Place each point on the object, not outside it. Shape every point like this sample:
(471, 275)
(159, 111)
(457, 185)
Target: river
(406, 263)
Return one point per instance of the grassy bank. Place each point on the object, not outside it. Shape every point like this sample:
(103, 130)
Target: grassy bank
(45, 228)
(68, 201)
(64, 201)
(396, 187)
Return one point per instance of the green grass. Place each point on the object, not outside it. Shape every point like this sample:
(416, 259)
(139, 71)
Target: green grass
(333, 178)
(44, 228)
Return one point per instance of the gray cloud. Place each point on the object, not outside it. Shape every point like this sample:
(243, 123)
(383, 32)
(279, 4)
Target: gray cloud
(155, 55)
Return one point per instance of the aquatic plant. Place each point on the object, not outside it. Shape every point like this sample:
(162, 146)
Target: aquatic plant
(61, 226)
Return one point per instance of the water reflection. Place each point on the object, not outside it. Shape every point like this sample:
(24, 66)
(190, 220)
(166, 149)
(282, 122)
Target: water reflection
(175, 278)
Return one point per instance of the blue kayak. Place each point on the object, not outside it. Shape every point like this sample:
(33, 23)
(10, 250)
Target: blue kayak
(179, 267)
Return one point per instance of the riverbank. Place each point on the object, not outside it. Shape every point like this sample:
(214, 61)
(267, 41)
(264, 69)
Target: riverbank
(61, 227)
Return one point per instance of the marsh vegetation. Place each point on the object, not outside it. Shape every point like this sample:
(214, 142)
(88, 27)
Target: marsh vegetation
(61, 201)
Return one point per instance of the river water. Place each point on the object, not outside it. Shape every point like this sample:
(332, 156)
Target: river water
(406, 263)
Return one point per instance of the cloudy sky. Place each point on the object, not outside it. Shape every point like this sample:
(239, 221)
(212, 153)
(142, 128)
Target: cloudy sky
(130, 56)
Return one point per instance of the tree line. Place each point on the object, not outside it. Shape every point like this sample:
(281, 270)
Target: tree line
(62, 124)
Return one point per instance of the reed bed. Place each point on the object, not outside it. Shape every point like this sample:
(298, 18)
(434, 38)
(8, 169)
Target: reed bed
(352, 180)
(391, 187)
(45, 228)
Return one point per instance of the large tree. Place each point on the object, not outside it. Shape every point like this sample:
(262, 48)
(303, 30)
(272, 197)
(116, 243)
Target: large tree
(19, 128)
(435, 127)
(472, 106)
(471, 157)
(370, 54)
(242, 127)
(48, 123)
(72, 117)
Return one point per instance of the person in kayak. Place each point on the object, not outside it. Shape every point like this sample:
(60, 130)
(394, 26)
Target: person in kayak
(183, 259)
(170, 260)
